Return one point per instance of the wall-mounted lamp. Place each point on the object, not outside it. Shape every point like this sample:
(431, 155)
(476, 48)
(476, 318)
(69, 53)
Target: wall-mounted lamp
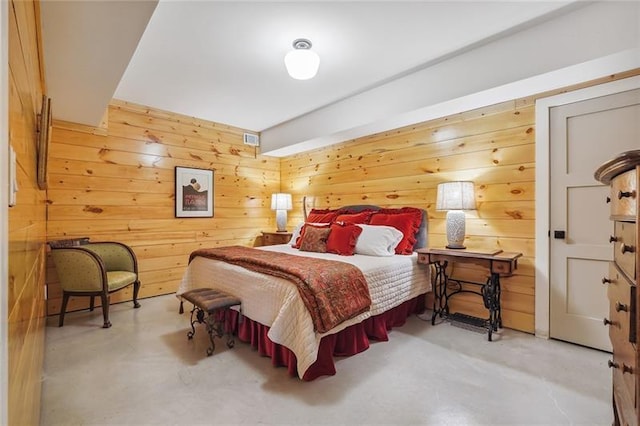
(454, 197)
(281, 202)
(302, 63)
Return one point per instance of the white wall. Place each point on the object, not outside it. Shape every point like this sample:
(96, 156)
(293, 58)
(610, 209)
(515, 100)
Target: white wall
(591, 32)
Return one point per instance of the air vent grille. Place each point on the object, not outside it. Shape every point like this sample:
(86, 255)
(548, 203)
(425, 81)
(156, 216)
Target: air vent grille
(251, 139)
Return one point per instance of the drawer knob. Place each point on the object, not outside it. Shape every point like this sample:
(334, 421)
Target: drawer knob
(606, 280)
(626, 194)
(627, 368)
(621, 307)
(612, 364)
(607, 322)
(627, 249)
(608, 200)
(613, 239)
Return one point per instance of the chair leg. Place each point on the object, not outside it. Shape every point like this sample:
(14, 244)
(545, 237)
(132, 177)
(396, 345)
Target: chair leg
(105, 310)
(92, 303)
(63, 308)
(136, 289)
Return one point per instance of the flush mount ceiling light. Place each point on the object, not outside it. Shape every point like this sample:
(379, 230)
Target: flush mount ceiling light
(301, 62)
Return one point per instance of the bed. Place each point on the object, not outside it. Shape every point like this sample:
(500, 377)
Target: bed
(273, 316)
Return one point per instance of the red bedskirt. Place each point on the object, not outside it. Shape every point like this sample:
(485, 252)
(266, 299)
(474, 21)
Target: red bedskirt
(350, 341)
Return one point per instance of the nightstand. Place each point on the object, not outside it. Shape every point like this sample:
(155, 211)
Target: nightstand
(497, 263)
(273, 238)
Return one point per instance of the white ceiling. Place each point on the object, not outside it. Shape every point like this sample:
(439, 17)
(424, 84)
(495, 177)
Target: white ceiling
(223, 61)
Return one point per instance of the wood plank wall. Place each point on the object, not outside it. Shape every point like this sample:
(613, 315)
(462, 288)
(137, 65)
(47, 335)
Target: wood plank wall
(27, 226)
(118, 185)
(493, 146)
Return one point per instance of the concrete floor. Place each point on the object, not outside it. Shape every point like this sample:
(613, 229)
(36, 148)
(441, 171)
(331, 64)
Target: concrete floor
(143, 370)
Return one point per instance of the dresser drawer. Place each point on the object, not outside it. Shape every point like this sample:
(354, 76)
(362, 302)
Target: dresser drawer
(622, 332)
(624, 394)
(624, 195)
(621, 307)
(625, 247)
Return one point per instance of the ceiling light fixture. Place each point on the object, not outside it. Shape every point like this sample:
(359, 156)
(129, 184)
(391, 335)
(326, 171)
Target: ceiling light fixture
(301, 62)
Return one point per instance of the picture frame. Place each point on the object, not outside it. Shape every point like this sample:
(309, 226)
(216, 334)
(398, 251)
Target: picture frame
(194, 192)
(44, 139)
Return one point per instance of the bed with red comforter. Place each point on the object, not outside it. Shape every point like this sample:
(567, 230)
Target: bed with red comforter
(348, 276)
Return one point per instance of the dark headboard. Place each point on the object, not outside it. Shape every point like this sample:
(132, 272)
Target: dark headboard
(421, 235)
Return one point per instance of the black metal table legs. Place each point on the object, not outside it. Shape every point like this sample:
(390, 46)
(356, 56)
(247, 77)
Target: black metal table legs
(491, 296)
(445, 287)
(440, 305)
(215, 328)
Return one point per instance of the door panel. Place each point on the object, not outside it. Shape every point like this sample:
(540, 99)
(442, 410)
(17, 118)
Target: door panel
(583, 135)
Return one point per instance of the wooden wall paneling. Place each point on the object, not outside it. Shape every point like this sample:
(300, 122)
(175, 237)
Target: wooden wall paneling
(493, 146)
(445, 141)
(118, 185)
(27, 220)
(141, 110)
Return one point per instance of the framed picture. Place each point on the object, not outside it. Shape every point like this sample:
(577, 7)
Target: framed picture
(194, 192)
(44, 138)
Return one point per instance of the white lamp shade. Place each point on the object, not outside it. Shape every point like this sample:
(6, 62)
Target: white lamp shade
(456, 196)
(302, 64)
(281, 201)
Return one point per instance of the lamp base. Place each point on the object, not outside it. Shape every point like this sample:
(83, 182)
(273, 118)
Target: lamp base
(281, 220)
(455, 229)
(456, 247)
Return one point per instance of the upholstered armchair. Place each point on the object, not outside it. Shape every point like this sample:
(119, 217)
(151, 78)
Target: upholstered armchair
(95, 269)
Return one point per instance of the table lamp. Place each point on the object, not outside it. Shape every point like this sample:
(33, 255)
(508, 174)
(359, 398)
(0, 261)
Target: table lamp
(454, 197)
(281, 202)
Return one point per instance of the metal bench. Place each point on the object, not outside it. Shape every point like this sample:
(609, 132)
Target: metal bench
(207, 304)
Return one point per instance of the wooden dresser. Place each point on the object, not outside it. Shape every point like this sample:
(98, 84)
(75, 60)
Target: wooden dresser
(622, 174)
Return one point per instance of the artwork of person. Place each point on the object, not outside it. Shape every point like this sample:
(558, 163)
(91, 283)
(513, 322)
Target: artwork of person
(192, 188)
(193, 199)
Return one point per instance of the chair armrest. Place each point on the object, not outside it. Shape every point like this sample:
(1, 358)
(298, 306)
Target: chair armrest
(116, 256)
(79, 270)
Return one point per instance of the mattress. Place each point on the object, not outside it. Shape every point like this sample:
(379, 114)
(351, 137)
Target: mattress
(275, 302)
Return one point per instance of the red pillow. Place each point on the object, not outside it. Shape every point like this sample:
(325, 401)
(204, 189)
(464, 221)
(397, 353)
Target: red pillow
(342, 239)
(322, 216)
(355, 217)
(406, 220)
(298, 240)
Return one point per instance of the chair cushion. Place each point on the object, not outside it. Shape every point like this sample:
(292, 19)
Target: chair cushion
(119, 279)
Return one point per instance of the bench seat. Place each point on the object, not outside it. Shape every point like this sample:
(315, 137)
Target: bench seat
(207, 304)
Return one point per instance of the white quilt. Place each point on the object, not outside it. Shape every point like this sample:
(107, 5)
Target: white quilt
(275, 302)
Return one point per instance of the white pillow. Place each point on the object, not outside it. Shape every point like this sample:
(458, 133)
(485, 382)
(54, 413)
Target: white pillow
(378, 240)
(298, 229)
(296, 234)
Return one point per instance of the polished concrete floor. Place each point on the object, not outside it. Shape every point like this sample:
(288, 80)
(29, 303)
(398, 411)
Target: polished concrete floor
(143, 370)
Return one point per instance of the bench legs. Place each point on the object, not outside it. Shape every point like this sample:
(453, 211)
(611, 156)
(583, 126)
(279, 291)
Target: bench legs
(215, 328)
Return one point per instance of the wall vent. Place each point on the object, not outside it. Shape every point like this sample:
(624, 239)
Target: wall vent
(251, 139)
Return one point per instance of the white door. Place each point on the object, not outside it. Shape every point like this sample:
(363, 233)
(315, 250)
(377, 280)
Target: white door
(583, 135)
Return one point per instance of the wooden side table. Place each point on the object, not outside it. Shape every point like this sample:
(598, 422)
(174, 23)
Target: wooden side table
(497, 262)
(273, 238)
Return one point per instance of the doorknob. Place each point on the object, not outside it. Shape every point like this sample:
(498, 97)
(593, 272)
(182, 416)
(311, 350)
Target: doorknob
(558, 235)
